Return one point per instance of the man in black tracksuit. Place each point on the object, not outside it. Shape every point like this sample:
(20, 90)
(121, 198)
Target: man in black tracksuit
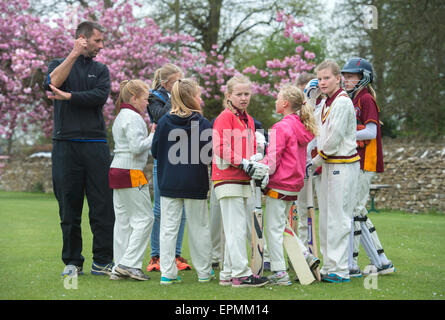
(81, 157)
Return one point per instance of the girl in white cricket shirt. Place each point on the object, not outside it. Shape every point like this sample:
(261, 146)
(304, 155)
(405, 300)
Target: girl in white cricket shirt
(338, 156)
(131, 197)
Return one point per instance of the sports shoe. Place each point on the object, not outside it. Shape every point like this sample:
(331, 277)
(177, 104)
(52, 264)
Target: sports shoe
(133, 273)
(181, 264)
(208, 279)
(71, 271)
(102, 269)
(312, 261)
(250, 281)
(280, 278)
(355, 273)
(333, 278)
(387, 268)
(168, 281)
(117, 276)
(153, 265)
(225, 283)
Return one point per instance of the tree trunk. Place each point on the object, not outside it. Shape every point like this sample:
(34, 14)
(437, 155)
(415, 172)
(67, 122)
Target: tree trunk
(210, 34)
(177, 11)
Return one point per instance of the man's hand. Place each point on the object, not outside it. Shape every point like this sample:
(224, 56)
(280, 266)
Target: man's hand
(58, 94)
(80, 46)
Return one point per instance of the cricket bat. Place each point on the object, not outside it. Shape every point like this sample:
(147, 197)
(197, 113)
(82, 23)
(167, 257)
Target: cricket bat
(312, 234)
(294, 217)
(257, 245)
(296, 256)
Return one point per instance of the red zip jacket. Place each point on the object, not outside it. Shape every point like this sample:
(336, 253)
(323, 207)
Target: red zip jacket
(233, 140)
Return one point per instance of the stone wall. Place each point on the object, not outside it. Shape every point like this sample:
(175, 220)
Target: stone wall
(414, 170)
(416, 173)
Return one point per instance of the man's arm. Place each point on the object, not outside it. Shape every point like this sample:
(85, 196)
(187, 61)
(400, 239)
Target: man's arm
(97, 96)
(59, 74)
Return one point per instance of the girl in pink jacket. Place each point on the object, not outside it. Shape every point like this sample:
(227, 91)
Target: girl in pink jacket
(286, 159)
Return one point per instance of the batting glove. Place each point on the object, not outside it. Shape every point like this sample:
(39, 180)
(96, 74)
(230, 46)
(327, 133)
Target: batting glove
(312, 91)
(260, 170)
(247, 167)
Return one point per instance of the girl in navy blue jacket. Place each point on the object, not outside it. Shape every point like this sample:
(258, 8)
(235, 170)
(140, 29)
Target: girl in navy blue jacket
(182, 145)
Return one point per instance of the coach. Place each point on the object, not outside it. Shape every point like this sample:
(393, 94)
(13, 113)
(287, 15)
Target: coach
(80, 157)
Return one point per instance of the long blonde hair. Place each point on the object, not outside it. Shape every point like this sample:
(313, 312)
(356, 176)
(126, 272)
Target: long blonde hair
(229, 88)
(130, 88)
(162, 74)
(183, 98)
(295, 97)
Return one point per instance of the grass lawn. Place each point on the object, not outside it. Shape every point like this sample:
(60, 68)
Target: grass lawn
(30, 263)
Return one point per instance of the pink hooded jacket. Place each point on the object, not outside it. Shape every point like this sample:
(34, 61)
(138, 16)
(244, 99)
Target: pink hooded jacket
(286, 154)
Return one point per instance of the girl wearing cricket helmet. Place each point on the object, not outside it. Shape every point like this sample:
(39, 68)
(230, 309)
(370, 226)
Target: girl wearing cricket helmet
(358, 74)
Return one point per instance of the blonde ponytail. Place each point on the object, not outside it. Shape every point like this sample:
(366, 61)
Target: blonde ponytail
(162, 74)
(295, 97)
(128, 89)
(183, 98)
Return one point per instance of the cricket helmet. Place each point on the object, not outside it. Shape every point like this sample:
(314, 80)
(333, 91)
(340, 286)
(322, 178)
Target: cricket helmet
(361, 66)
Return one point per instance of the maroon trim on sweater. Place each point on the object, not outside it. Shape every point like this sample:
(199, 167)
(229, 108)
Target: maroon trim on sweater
(244, 183)
(129, 106)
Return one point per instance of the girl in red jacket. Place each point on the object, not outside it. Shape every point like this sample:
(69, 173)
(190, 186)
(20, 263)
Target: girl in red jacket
(234, 143)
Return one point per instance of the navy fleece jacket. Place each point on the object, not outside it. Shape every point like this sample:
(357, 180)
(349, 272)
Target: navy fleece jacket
(183, 152)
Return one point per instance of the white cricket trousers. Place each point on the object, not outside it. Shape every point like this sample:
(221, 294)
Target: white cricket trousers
(198, 231)
(336, 203)
(302, 207)
(133, 224)
(276, 216)
(236, 263)
(216, 229)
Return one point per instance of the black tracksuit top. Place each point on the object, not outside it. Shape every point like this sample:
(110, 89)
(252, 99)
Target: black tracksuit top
(81, 117)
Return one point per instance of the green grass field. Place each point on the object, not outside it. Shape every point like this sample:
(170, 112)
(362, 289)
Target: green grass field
(30, 263)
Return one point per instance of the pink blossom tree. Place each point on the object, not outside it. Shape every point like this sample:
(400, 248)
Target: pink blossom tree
(134, 48)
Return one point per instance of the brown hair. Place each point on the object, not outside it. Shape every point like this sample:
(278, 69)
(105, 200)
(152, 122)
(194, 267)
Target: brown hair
(295, 97)
(304, 78)
(128, 89)
(183, 96)
(87, 27)
(162, 74)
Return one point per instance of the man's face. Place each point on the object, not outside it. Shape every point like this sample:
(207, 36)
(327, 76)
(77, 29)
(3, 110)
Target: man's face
(95, 43)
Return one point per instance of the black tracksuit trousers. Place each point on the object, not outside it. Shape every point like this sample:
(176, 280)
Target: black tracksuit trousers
(79, 169)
